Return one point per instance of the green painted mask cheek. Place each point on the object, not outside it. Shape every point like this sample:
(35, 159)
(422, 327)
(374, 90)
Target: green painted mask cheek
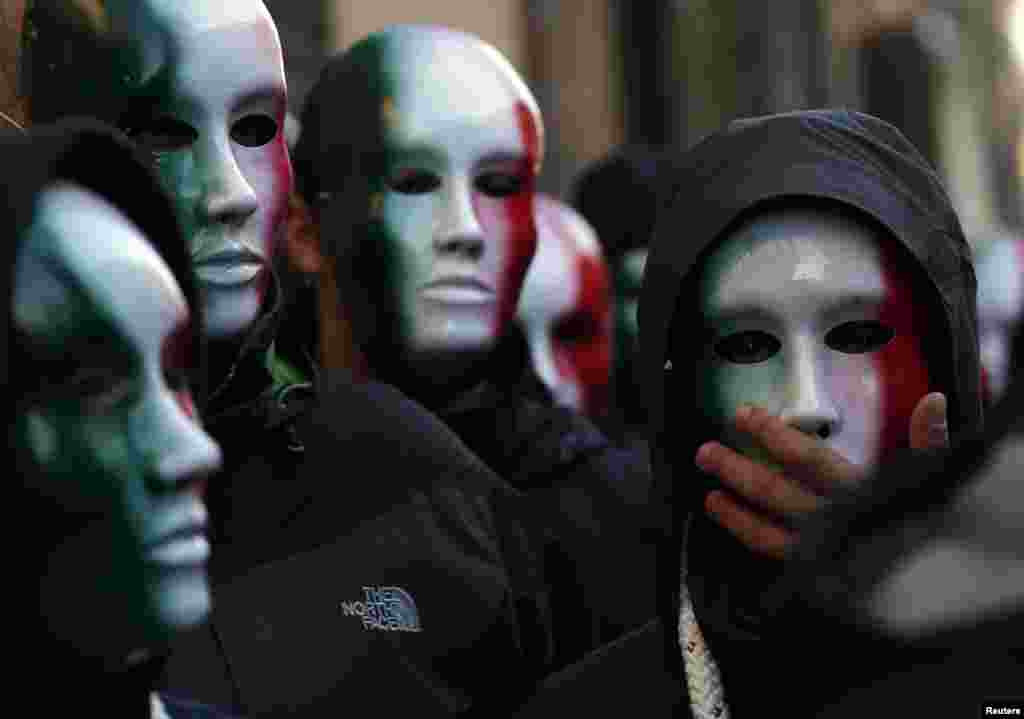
(462, 135)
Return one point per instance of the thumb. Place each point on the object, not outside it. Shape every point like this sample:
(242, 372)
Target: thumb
(928, 428)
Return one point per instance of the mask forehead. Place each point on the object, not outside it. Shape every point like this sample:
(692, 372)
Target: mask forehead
(92, 241)
(224, 51)
(793, 261)
(793, 284)
(459, 97)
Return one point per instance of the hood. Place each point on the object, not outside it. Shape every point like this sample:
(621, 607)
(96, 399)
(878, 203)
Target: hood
(835, 156)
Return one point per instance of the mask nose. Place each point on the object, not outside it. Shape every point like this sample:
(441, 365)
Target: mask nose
(188, 454)
(459, 232)
(809, 407)
(227, 197)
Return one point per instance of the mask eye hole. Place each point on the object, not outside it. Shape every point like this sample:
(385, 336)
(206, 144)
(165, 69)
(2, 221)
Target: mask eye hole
(162, 134)
(100, 390)
(414, 182)
(254, 130)
(500, 184)
(749, 347)
(576, 329)
(859, 337)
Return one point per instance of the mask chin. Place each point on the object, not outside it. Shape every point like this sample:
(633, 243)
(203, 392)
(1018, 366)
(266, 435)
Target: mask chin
(229, 313)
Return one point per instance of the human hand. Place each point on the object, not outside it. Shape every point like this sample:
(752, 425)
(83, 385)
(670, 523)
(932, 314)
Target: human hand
(762, 506)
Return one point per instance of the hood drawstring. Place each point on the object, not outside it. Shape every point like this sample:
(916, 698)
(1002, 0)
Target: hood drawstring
(703, 677)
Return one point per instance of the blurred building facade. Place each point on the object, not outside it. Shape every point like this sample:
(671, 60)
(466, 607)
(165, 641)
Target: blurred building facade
(668, 72)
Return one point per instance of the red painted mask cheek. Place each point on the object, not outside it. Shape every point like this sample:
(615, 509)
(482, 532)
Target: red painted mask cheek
(592, 357)
(901, 366)
(516, 216)
(283, 184)
(184, 398)
(177, 355)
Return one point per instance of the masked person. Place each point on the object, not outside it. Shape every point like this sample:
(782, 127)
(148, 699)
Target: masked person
(810, 264)
(201, 88)
(565, 310)
(108, 451)
(419, 187)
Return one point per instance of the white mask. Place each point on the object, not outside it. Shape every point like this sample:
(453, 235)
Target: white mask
(811, 320)
(216, 130)
(464, 137)
(117, 429)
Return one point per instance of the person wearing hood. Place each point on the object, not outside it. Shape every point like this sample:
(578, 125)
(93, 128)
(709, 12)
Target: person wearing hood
(421, 228)
(107, 449)
(809, 264)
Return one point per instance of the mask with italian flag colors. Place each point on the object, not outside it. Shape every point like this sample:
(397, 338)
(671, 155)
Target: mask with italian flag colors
(454, 138)
(202, 89)
(565, 309)
(809, 316)
(112, 426)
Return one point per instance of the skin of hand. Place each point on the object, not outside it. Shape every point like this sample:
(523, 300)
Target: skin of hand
(763, 506)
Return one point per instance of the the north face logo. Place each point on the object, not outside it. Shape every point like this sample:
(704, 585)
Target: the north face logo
(391, 609)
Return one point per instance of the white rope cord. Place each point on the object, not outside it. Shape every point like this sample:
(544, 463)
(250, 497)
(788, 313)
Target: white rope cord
(703, 678)
(156, 707)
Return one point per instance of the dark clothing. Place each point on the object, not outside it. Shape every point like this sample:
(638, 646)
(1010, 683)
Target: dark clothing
(624, 678)
(772, 660)
(587, 499)
(383, 567)
(183, 709)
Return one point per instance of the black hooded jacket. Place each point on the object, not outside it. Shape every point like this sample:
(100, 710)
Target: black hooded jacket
(53, 677)
(836, 156)
(387, 570)
(586, 497)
